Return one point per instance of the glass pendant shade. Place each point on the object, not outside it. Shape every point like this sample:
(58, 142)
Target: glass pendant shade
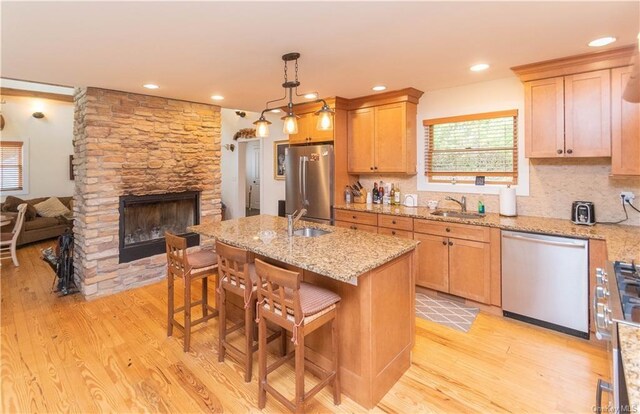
(325, 121)
(262, 127)
(290, 124)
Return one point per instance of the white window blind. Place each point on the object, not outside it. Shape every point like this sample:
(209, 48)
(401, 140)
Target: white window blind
(11, 165)
(460, 148)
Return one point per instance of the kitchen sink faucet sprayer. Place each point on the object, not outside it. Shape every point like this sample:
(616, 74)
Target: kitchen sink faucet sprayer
(462, 202)
(293, 218)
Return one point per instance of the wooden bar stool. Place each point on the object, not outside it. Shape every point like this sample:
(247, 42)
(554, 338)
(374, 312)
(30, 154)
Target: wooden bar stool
(235, 273)
(301, 308)
(195, 266)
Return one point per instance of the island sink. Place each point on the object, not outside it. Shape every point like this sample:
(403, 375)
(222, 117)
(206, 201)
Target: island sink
(310, 232)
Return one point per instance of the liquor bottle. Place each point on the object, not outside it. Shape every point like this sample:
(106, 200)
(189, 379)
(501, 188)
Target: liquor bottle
(376, 193)
(392, 195)
(347, 195)
(381, 191)
(397, 196)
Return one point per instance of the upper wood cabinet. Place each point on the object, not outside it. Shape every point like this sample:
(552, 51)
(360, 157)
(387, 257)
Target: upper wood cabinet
(381, 131)
(377, 139)
(625, 126)
(307, 131)
(544, 118)
(568, 104)
(568, 116)
(587, 117)
(361, 140)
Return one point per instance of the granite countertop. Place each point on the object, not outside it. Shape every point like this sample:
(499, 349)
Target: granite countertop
(623, 242)
(343, 254)
(630, 345)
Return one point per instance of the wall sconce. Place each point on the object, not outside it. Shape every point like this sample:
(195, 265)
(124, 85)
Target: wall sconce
(38, 109)
(230, 147)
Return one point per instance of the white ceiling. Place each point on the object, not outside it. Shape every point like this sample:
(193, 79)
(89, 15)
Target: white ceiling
(195, 50)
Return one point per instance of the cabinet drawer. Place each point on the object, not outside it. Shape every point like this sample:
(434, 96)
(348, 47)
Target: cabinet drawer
(359, 217)
(395, 222)
(394, 232)
(354, 226)
(460, 231)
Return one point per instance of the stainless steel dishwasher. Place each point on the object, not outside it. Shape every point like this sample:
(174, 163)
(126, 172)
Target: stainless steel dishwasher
(545, 281)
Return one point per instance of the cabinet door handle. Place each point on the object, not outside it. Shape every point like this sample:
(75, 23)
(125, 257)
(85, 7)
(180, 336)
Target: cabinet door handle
(353, 217)
(375, 168)
(450, 243)
(393, 232)
(559, 151)
(444, 242)
(353, 227)
(569, 151)
(371, 168)
(393, 221)
(447, 229)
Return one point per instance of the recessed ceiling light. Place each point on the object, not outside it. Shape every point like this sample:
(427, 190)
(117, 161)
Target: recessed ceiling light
(479, 67)
(217, 97)
(311, 96)
(150, 86)
(379, 88)
(275, 111)
(603, 41)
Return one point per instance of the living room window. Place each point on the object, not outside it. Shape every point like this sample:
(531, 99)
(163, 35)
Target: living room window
(11, 165)
(460, 148)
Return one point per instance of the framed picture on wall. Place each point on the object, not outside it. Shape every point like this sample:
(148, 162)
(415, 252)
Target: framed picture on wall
(278, 159)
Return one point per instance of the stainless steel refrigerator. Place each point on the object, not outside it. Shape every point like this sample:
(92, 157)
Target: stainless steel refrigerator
(309, 181)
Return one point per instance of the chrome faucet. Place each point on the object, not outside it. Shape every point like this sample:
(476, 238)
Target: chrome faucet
(292, 219)
(462, 202)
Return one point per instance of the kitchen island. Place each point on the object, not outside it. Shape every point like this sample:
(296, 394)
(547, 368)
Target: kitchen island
(373, 274)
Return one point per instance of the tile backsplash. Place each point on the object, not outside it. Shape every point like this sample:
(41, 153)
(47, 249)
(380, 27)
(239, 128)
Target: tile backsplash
(553, 185)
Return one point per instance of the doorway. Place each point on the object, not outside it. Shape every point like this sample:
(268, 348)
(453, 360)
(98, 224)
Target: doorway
(252, 178)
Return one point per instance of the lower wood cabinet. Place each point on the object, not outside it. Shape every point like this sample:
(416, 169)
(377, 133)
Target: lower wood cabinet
(470, 269)
(460, 259)
(433, 262)
(356, 226)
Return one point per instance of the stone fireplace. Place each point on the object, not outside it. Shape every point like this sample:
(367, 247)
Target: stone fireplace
(131, 149)
(145, 219)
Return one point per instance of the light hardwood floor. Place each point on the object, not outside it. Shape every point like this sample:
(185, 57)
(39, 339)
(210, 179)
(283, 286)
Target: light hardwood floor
(113, 355)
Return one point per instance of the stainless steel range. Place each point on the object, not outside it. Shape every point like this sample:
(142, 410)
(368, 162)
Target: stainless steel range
(616, 300)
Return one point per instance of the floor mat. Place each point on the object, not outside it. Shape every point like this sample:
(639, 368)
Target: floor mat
(445, 312)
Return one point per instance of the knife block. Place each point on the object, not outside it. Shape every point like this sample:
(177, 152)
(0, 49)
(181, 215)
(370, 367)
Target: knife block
(360, 200)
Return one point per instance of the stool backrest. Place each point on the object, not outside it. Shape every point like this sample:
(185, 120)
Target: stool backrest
(22, 210)
(233, 267)
(280, 289)
(177, 261)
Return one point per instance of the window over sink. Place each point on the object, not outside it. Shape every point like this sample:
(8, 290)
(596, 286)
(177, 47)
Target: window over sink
(459, 148)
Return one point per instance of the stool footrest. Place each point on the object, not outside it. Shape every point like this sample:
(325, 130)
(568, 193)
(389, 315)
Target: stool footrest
(280, 361)
(279, 397)
(313, 391)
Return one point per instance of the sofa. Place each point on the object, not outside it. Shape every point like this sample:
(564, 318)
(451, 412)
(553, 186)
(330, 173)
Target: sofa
(36, 228)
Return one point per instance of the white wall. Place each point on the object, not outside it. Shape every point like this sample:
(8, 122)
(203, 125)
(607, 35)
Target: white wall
(233, 194)
(48, 144)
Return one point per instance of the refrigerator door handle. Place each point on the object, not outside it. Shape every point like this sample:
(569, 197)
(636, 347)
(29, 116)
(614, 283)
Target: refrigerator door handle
(300, 176)
(305, 202)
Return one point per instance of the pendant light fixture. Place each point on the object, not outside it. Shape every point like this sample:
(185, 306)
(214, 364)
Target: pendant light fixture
(290, 127)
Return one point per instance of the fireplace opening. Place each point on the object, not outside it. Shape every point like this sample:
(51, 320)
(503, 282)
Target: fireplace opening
(145, 219)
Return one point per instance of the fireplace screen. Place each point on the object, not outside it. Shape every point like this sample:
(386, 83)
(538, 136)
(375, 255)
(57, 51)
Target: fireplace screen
(145, 219)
